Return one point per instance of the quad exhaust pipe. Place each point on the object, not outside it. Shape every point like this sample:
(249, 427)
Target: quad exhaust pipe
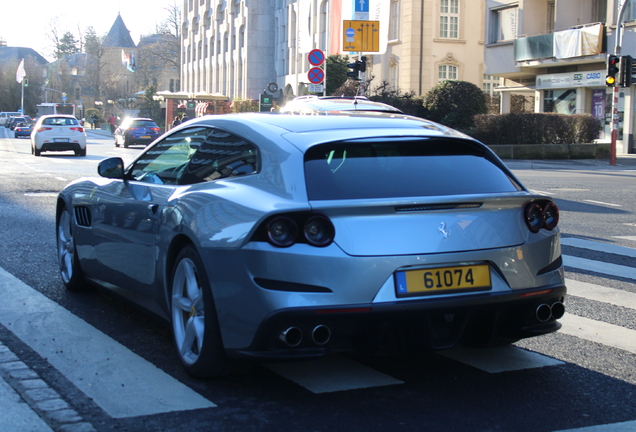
(293, 336)
(545, 311)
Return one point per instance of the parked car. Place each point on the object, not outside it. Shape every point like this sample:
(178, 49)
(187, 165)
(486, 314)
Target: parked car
(136, 131)
(335, 105)
(58, 132)
(276, 237)
(13, 121)
(22, 129)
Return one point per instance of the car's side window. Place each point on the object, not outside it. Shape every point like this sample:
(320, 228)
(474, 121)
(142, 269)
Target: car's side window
(222, 155)
(165, 162)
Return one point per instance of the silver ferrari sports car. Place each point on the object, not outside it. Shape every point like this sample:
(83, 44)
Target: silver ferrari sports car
(272, 236)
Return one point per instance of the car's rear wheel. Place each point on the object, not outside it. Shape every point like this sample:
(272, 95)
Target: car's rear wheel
(70, 269)
(126, 141)
(81, 152)
(35, 150)
(195, 324)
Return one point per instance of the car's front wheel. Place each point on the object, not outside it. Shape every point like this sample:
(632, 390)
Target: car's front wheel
(70, 269)
(195, 324)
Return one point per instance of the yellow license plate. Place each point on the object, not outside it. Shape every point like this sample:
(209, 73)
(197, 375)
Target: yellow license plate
(442, 280)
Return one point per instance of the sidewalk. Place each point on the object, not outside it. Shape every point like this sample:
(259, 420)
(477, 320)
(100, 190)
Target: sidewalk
(623, 162)
(99, 131)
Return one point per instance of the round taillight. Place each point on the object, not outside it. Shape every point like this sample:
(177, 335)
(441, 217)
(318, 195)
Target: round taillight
(534, 217)
(550, 216)
(319, 231)
(282, 232)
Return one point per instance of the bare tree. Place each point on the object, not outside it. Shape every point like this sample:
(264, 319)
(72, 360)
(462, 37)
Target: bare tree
(94, 62)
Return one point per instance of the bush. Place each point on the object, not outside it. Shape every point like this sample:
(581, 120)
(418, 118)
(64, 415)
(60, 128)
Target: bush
(408, 102)
(536, 128)
(455, 103)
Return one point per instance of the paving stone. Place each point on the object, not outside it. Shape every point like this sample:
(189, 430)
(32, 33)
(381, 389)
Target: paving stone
(12, 366)
(23, 374)
(52, 405)
(7, 356)
(77, 427)
(42, 394)
(29, 384)
(65, 416)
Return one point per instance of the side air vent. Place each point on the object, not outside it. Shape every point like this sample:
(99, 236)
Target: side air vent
(433, 207)
(83, 216)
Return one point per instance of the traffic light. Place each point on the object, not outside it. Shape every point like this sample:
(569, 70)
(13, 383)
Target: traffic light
(613, 70)
(26, 82)
(625, 71)
(357, 68)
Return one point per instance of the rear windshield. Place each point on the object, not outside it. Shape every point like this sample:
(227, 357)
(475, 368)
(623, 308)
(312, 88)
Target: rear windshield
(145, 123)
(61, 121)
(402, 168)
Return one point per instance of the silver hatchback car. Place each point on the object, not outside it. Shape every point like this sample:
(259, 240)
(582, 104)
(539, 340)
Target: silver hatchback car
(265, 236)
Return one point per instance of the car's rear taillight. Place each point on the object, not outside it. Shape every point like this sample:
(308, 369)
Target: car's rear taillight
(42, 129)
(541, 214)
(155, 129)
(79, 129)
(283, 230)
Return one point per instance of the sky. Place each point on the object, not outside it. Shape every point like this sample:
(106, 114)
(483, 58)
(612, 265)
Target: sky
(29, 26)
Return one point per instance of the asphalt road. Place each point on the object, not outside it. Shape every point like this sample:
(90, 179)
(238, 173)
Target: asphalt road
(113, 365)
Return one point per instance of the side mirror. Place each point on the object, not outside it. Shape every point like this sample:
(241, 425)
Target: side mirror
(111, 168)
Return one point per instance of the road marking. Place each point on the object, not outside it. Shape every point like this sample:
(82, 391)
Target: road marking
(118, 380)
(538, 192)
(600, 332)
(603, 203)
(332, 374)
(603, 294)
(632, 238)
(599, 267)
(599, 246)
(500, 359)
(629, 426)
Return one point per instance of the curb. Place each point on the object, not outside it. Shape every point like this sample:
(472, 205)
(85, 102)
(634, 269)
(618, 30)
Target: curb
(40, 397)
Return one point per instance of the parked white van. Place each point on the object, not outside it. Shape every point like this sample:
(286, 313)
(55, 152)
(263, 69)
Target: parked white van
(6, 114)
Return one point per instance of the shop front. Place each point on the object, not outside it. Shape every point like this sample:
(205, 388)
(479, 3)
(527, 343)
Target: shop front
(585, 92)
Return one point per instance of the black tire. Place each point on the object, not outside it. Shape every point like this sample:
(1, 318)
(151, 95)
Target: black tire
(36, 151)
(81, 152)
(195, 325)
(126, 141)
(70, 270)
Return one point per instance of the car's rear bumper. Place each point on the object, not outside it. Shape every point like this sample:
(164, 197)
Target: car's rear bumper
(420, 324)
(61, 146)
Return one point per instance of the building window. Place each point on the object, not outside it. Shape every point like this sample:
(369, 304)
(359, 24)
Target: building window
(212, 47)
(551, 16)
(490, 82)
(504, 24)
(395, 83)
(449, 19)
(394, 23)
(446, 72)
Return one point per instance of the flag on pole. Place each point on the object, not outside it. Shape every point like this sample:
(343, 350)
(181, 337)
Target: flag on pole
(20, 74)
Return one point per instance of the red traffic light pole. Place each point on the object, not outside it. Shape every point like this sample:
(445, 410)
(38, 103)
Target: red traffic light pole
(617, 52)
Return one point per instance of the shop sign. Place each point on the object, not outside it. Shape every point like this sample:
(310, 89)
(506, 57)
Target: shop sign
(571, 79)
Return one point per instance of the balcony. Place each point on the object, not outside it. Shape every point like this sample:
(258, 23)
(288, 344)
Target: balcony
(573, 45)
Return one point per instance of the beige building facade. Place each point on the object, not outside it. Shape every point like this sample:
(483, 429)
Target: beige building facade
(241, 47)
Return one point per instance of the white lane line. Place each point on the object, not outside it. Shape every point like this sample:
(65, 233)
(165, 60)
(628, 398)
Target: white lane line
(600, 293)
(632, 238)
(600, 332)
(500, 359)
(118, 380)
(600, 267)
(538, 192)
(629, 426)
(331, 374)
(603, 203)
(599, 246)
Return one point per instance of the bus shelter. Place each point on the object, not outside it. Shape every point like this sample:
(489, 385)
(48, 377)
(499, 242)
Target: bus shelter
(194, 104)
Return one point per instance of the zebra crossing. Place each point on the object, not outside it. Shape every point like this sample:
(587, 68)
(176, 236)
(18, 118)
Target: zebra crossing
(101, 367)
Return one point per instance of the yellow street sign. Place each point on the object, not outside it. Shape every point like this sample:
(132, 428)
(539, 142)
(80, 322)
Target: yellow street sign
(361, 36)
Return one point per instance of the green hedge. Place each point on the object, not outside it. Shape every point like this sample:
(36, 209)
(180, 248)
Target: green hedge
(536, 128)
